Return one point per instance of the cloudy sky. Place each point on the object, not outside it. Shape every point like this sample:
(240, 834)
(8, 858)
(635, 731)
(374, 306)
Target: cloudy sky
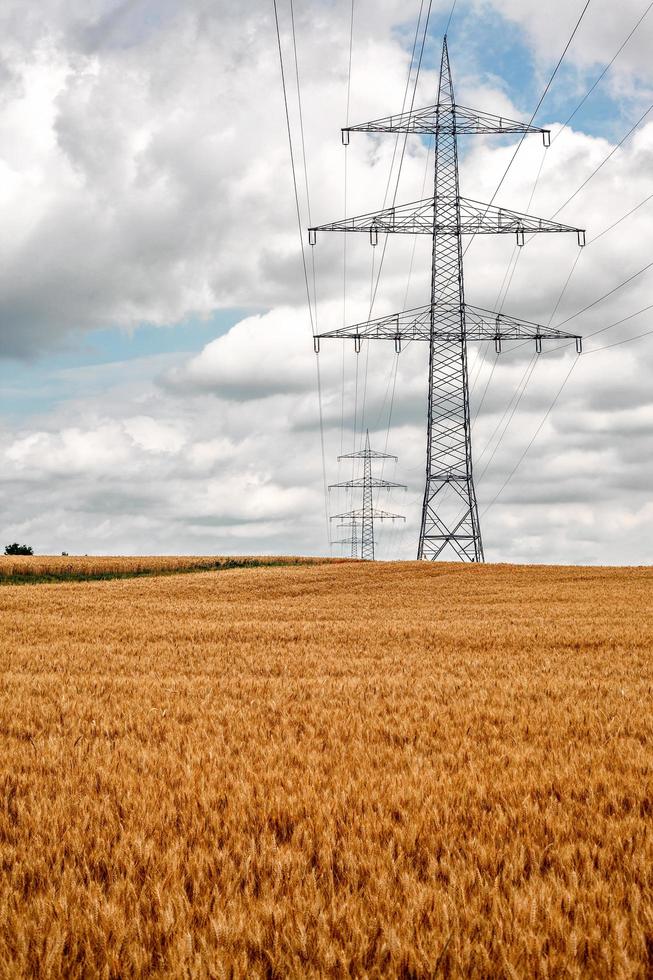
(157, 375)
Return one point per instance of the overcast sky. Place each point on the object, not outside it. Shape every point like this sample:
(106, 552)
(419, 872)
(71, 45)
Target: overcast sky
(157, 374)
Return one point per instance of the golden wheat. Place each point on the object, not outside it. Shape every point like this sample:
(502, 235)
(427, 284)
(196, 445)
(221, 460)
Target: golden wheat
(76, 567)
(333, 770)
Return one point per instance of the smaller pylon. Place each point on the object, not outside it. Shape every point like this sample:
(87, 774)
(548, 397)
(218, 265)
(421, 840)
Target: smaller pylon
(365, 516)
(352, 541)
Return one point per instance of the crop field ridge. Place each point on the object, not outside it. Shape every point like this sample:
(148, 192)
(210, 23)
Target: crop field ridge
(328, 770)
(29, 570)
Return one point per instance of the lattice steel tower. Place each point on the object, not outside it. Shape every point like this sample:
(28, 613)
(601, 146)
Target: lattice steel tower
(365, 516)
(449, 511)
(352, 542)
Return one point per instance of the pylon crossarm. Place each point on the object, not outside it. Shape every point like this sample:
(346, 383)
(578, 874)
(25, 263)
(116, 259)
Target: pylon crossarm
(469, 218)
(367, 454)
(425, 121)
(407, 219)
(487, 219)
(383, 515)
(374, 482)
(377, 515)
(480, 325)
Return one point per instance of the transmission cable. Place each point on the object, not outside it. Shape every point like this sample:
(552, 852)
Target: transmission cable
(604, 161)
(401, 160)
(602, 75)
(605, 295)
(514, 265)
(626, 340)
(566, 123)
(619, 220)
(583, 100)
(566, 284)
(536, 110)
(511, 408)
(595, 350)
(301, 244)
(532, 440)
(509, 274)
(563, 345)
(344, 259)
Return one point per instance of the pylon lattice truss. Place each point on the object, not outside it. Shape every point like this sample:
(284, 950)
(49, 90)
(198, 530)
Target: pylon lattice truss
(449, 524)
(351, 542)
(361, 520)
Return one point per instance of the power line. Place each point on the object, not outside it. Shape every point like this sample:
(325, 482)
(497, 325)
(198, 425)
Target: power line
(618, 323)
(602, 75)
(605, 230)
(536, 110)
(292, 165)
(564, 125)
(510, 162)
(301, 245)
(401, 160)
(373, 287)
(403, 149)
(451, 13)
(532, 440)
(344, 246)
(605, 295)
(567, 121)
(619, 220)
(502, 300)
(560, 346)
(410, 272)
(595, 350)
(604, 161)
(513, 403)
(626, 340)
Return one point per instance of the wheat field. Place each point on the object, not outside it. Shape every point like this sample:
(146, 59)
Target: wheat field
(330, 770)
(55, 568)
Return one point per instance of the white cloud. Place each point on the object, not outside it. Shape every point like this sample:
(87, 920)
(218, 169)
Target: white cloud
(548, 27)
(144, 178)
(262, 356)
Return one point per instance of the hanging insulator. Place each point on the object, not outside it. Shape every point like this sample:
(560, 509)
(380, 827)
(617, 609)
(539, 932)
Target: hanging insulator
(374, 236)
(345, 137)
(581, 237)
(398, 344)
(312, 236)
(357, 343)
(538, 345)
(546, 137)
(520, 237)
(497, 344)
(579, 345)
(316, 344)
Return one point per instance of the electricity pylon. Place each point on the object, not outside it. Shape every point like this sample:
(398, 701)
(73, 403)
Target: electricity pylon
(449, 510)
(352, 542)
(365, 516)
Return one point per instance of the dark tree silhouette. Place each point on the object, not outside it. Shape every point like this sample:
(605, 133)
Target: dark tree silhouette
(18, 549)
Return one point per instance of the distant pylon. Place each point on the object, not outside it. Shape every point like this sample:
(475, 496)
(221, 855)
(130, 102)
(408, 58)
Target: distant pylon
(352, 542)
(449, 511)
(365, 516)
